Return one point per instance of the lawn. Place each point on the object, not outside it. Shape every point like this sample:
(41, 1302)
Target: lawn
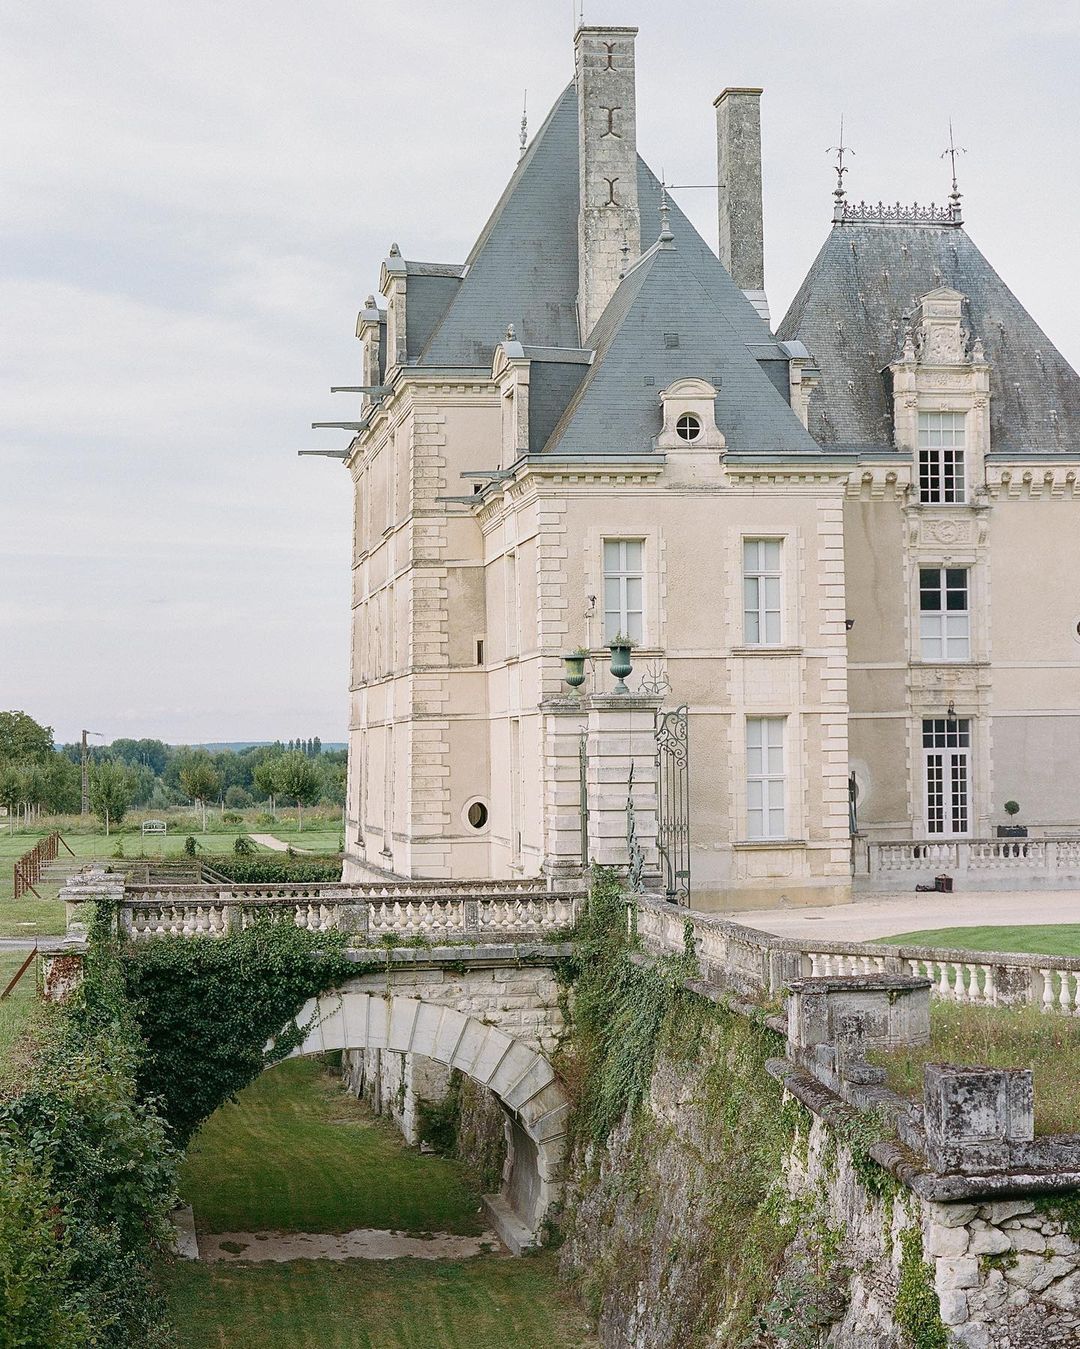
(30, 917)
(1000, 1037)
(298, 1153)
(491, 1302)
(16, 1011)
(1057, 939)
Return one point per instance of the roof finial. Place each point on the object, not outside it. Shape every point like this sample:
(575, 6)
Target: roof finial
(955, 194)
(524, 138)
(666, 235)
(841, 168)
(511, 335)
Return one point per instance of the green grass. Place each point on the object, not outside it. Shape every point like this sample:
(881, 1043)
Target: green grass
(999, 1037)
(486, 1303)
(29, 917)
(1057, 939)
(16, 1012)
(297, 1153)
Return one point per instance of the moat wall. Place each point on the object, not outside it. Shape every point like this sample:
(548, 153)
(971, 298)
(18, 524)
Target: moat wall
(720, 1212)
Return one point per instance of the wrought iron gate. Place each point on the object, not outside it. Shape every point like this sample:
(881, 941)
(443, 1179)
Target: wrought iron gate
(673, 779)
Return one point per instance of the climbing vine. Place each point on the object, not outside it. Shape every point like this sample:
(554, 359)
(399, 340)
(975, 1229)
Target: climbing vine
(917, 1311)
(207, 1010)
(701, 1209)
(87, 1176)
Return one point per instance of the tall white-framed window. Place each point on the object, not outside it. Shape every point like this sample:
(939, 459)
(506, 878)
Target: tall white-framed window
(765, 779)
(761, 592)
(944, 613)
(947, 759)
(941, 457)
(624, 577)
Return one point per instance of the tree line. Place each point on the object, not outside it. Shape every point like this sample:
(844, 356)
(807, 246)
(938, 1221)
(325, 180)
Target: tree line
(37, 777)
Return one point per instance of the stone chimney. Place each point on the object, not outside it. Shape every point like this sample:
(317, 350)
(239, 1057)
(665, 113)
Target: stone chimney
(608, 220)
(738, 171)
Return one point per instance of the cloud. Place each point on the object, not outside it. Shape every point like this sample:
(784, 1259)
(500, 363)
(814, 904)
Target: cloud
(197, 199)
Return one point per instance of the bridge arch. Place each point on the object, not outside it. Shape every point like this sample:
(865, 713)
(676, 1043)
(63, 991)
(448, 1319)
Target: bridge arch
(519, 1076)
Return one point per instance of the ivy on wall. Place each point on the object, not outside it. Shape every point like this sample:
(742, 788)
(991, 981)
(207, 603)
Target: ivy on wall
(717, 1256)
(207, 1010)
(87, 1177)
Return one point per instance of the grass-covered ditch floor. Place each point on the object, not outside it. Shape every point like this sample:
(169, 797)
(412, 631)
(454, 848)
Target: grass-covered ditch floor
(487, 1303)
(297, 1153)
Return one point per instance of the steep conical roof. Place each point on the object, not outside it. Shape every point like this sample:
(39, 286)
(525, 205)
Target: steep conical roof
(664, 324)
(523, 268)
(850, 314)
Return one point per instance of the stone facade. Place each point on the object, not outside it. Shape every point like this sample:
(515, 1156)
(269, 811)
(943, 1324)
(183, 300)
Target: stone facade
(592, 375)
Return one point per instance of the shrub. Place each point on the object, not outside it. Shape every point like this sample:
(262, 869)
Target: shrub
(88, 1178)
(190, 846)
(206, 1010)
(236, 798)
(276, 869)
(243, 847)
(230, 817)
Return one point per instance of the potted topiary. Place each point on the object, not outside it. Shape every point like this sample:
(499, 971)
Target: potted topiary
(1012, 830)
(620, 667)
(575, 666)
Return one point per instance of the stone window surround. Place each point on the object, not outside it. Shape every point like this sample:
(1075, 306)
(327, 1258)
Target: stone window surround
(652, 615)
(974, 562)
(794, 808)
(780, 642)
(790, 612)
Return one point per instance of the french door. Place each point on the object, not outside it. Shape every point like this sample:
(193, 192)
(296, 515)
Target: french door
(947, 776)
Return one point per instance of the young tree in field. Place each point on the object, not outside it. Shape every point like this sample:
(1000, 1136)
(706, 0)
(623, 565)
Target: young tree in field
(200, 780)
(264, 776)
(10, 791)
(22, 738)
(298, 780)
(110, 792)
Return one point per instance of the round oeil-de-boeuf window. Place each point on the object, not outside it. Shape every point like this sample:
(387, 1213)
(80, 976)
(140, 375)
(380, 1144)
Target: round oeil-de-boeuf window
(688, 427)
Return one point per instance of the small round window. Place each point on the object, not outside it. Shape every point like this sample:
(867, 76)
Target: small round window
(477, 814)
(688, 427)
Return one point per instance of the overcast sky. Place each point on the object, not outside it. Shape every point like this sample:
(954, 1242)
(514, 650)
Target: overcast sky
(197, 197)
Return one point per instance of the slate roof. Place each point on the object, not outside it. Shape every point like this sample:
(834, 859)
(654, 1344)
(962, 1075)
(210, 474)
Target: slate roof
(523, 269)
(665, 323)
(850, 314)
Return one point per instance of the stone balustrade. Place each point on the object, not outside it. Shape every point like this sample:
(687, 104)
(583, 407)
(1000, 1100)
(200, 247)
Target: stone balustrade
(983, 863)
(750, 961)
(433, 911)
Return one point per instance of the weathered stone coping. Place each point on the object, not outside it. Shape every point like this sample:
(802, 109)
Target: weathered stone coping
(755, 962)
(473, 955)
(903, 1162)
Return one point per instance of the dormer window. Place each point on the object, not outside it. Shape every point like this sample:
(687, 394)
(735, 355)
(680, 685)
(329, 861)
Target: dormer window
(688, 426)
(688, 410)
(941, 457)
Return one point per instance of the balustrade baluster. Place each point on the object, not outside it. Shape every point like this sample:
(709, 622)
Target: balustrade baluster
(1047, 990)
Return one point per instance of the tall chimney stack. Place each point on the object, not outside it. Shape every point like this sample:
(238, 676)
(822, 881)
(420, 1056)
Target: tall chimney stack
(608, 219)
(738, 171)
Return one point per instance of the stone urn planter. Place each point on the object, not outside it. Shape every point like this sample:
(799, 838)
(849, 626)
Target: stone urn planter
(575, 667)
(620, 661)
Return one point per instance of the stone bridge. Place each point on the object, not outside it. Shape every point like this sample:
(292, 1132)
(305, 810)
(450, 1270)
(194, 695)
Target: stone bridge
(458, 981)
(491, 1013)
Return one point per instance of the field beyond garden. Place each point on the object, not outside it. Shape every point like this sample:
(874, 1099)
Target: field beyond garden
(31, 917)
